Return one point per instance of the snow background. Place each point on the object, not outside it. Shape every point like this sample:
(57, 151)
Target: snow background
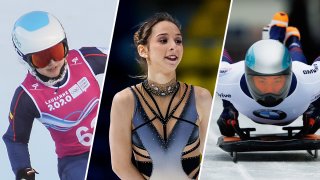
(87, 23)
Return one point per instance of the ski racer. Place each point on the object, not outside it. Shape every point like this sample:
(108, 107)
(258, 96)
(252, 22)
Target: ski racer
(60, 90)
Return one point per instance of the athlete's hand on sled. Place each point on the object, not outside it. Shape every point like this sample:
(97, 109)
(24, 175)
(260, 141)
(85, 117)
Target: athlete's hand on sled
(311, 119)
(227, 121)
(26, 174)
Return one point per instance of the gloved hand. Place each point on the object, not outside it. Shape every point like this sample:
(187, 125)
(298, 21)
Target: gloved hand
(311, 119)
(226, 121)
(26, 174)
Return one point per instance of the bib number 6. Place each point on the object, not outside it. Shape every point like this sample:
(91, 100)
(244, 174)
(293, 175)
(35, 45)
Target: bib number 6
(85, 137)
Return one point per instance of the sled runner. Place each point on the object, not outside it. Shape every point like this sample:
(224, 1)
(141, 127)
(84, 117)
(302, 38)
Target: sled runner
(269, 142)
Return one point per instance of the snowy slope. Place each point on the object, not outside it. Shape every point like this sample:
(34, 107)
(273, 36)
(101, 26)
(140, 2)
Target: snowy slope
(87, 23)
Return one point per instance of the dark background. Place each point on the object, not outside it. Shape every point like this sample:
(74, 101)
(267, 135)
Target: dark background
(203, 26)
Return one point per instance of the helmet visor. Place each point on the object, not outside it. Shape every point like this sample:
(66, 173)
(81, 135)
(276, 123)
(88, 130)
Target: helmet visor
(269, 84)
(42, 58)
(269, 90)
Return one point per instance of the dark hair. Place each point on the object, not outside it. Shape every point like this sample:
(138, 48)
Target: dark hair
(142, 35)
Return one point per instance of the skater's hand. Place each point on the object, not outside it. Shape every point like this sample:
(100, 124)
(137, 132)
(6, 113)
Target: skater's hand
(26, 174)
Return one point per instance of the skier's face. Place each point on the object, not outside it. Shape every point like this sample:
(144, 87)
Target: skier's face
(164, 49)
(52, 70)
(269, 84)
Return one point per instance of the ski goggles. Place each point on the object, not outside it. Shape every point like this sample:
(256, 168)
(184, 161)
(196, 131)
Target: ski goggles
(42, 58)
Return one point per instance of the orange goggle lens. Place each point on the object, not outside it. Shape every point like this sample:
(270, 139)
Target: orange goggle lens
(42, 58)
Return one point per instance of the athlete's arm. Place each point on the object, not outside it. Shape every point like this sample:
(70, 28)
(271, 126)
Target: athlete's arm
(316, 105)
(96, 58)
(310, 76)
(203, 103)
(295, 50)
(226, 57)
(21, 117)
(120, 136)
(225, 68)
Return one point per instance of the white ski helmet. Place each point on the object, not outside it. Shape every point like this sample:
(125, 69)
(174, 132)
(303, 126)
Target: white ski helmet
(267, 58)
(37, 31)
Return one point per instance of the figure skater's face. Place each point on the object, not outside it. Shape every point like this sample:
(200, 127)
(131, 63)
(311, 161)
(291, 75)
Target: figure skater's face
(52, 70)
(164, 49)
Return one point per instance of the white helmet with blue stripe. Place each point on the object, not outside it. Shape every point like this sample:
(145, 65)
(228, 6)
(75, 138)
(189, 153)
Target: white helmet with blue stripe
(37, 31)
(268, 72)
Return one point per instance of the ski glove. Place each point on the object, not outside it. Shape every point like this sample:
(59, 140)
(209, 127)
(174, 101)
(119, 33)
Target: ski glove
(26, 174)
(228, 116)
(311, 119)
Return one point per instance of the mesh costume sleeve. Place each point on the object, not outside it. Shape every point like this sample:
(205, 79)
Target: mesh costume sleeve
(96, 58)
(21, 117)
